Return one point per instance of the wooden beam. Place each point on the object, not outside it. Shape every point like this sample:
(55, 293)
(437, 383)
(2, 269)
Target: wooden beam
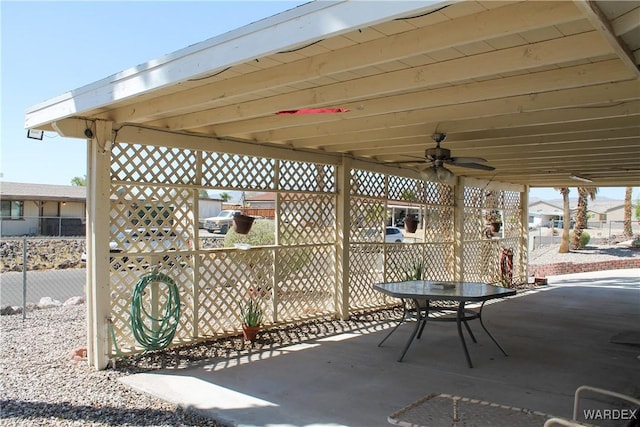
(602, 25)
(427, 104)
(517, 59)
(421, 134)
(499, 22)
(298, 136)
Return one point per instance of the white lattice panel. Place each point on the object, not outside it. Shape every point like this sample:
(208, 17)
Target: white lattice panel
(438, 223)
(152, 164)
(406, 189)
(439, 261)
(231, 171)
(127, 272)
(306, 277)
(366, 183)
(400, 259)
(367, 220)
(439, 194)
(152, 196)
(308, 177)
(228, 278)
(366, 267)
(307, 218)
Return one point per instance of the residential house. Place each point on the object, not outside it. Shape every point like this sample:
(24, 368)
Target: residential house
(42, 209)
(56, 210)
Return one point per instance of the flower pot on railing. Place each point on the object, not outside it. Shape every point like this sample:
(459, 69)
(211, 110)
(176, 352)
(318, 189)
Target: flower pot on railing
(242, 223)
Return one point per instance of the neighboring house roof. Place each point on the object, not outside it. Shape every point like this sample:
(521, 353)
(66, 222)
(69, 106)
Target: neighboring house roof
(27, 191)
(260, 197)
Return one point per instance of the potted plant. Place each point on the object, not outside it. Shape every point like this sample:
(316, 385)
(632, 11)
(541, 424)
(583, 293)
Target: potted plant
(410, 221)
(251, 315)
(415, 271)
(493, 220)
(242, 223)
(492, 216)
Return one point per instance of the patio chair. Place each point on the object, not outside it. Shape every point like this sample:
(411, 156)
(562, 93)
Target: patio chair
(629, 416)
(448, 410)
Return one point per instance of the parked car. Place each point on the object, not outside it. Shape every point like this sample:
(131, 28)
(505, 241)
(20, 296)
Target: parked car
(393, 235)
(221, 222)
(147, 239)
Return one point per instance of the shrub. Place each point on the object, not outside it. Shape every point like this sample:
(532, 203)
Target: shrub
(263, 233)
(584, 239)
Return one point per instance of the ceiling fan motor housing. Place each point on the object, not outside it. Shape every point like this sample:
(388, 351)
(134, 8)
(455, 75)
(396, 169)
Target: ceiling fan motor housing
(437, 153)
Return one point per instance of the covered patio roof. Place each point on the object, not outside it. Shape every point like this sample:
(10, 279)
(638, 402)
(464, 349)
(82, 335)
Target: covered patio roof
(541, 90)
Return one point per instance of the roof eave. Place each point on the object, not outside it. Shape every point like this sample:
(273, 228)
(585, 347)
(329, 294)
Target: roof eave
(295, 27)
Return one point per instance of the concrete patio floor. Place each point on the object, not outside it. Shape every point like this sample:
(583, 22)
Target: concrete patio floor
(558, 337)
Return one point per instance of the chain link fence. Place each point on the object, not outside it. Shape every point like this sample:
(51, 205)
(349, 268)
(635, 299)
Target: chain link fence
(32, 268)
(36, 267)
(601, 233)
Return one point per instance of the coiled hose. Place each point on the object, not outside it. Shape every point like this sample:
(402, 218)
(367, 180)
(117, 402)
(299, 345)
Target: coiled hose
(154, 333)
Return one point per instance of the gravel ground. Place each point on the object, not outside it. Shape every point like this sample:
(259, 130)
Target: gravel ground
(42, 386)
(548, 254)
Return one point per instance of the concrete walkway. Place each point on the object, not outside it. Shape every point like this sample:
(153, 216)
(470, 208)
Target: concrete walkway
(558, 337)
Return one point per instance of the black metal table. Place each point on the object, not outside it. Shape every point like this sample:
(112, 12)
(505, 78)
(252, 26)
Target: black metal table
(421, 292)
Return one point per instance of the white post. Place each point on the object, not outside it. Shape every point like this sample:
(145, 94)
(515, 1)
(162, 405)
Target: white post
(524, 234)
(98, 223)
(343, 221)
(458, 228)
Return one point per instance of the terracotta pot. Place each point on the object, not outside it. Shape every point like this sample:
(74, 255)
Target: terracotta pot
(242, 223)
(250, 332)
(410, 224)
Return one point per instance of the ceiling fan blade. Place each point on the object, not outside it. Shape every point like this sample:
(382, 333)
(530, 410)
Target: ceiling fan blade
(455, 160)
(475, 166)
(406, 162)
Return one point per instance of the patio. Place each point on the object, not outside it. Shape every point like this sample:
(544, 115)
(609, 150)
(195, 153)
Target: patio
(558, 337)
(339, 109)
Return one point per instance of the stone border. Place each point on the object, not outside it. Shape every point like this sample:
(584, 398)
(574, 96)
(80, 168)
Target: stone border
(572, 267)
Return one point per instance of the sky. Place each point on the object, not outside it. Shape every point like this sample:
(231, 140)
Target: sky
(51, 47)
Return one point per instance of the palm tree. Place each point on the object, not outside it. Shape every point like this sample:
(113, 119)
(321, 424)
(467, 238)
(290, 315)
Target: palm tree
(225, 196)
(627, 231)
(564, 244)
(581, 213)
(79, 181)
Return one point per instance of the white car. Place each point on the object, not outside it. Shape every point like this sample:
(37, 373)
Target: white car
(221, 222)
(145, 240)
(393, 235)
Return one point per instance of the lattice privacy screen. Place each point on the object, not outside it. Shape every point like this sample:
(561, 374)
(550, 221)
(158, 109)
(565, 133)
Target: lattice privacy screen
(154, 227)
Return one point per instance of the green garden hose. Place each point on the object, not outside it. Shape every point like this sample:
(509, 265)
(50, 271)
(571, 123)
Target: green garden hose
(154, 333)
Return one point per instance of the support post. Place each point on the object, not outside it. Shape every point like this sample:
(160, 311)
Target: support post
(342, 238)
(24, 278)
(524, 234)
(98, 222)
(458, 229)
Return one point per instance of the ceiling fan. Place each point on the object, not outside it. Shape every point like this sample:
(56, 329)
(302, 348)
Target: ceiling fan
(437, 157)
